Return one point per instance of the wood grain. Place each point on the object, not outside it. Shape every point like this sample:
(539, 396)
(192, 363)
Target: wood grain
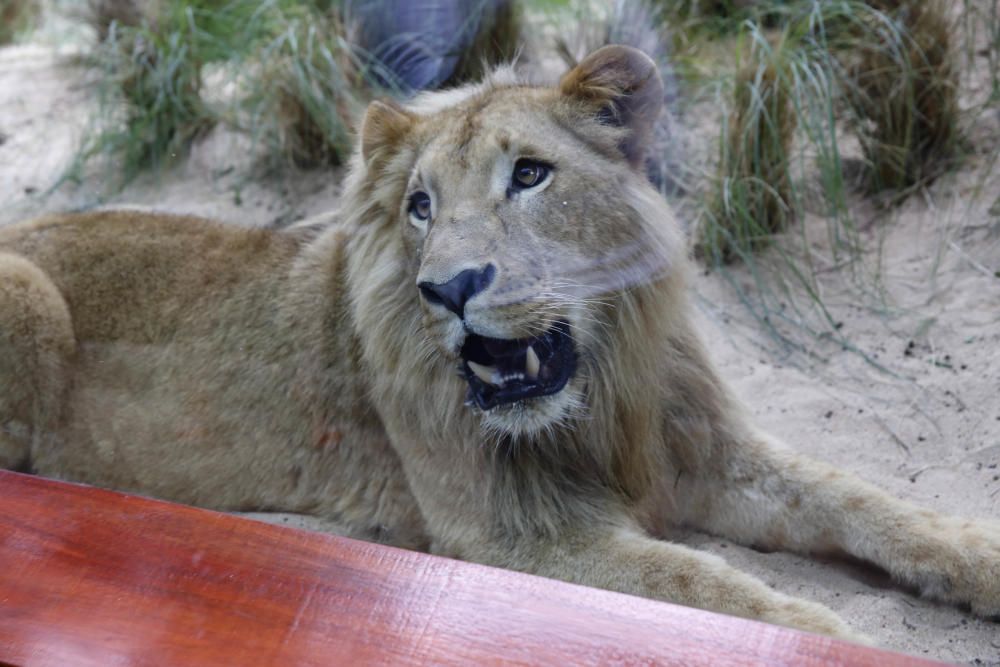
(93, 577)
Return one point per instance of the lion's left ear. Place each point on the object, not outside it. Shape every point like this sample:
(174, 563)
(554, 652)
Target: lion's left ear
(385, 124)
(625, 89)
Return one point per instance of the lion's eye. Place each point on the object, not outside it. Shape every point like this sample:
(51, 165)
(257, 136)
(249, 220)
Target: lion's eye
(528, 174)
(420, 205)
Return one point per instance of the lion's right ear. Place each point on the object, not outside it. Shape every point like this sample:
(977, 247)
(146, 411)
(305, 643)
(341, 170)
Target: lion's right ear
(385, 124)
(623, 87)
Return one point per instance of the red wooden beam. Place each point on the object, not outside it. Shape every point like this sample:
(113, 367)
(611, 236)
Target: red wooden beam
(94, 577)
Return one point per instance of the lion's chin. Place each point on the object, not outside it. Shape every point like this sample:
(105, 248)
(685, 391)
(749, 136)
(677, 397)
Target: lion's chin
(529, 417)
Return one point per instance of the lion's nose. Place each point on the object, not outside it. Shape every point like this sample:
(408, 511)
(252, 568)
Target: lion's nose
(455, 293)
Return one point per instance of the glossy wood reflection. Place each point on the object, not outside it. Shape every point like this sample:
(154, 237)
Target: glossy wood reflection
(92, 577)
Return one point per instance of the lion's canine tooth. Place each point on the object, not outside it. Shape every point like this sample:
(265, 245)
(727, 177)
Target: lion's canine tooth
(531, 364)
(484, 373)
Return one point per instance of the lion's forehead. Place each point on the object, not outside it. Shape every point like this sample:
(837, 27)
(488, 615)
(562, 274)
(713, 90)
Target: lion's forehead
(499, 126)
(515, 121)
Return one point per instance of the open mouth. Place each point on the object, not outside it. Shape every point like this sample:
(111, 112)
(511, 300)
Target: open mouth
(505, 371)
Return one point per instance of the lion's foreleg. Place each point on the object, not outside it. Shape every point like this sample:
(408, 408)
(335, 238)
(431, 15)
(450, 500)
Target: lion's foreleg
(624, 559)
(761, 494)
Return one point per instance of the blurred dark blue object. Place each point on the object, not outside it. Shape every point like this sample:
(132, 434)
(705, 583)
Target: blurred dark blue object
(419, 42)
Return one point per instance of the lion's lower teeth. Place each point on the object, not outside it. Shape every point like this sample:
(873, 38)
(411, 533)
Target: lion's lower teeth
(487, 374)
(497, 377)
(531, 364)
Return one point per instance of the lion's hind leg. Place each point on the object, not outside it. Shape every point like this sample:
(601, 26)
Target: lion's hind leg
(36, 345)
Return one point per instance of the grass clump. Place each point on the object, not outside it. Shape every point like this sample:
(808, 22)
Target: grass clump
(282, 72)
(152, 58)
(779, 176)
(17, 16)
(753, 198)
(299, 71)
(889, 63)
(820, 74)
(902, 86)
(309, 89)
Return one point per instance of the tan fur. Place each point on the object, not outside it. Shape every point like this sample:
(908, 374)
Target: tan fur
(302, 371)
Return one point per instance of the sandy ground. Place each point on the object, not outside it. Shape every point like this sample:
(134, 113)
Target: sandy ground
(928, 431)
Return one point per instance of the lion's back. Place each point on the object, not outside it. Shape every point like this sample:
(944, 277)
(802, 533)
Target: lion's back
(138, 276)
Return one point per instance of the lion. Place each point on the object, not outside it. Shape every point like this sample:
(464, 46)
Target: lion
(487, 353)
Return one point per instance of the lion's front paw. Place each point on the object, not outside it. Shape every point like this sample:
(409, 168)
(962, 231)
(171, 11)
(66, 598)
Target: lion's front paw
(979, 579)
(965, 566)
(812, 617)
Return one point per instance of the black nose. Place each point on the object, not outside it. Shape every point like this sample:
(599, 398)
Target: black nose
(454, 294)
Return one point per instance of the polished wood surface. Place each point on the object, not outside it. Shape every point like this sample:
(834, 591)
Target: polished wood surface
(93, 577)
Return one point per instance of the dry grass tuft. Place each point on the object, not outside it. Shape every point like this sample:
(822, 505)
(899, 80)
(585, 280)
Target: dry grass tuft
(753, 201)
(152, 58)
(152, 84)
(902, 87)
(303, 67)
(310, 91)
(17, 16)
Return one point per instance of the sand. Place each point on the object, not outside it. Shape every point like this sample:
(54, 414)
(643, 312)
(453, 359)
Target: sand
(928, 430)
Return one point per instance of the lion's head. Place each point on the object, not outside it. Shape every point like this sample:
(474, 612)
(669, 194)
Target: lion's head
(526, 230)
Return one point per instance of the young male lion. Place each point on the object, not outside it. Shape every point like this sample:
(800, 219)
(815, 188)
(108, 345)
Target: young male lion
(489, 355)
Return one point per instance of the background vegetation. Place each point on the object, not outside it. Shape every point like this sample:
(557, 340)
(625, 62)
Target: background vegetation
(824, 104)
(782, 113)
(16, 17)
